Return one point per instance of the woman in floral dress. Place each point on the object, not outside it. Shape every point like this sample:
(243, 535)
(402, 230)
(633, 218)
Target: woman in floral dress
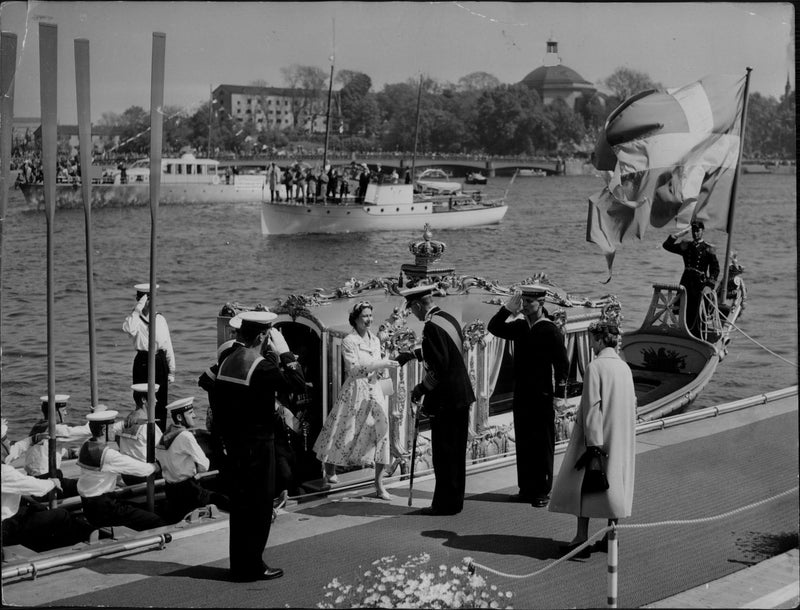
(356, 431)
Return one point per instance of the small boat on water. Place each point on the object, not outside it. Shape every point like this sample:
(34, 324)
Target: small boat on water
(532, 172)
(184, 179)
(475, 178)
(385, 207)
(434, 181)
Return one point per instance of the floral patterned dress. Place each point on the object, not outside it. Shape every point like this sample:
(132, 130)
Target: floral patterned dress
(356, 431)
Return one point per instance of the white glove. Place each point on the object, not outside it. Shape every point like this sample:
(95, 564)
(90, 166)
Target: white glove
(171, 377)
(141, 303)
(276, 342)
(514, 303)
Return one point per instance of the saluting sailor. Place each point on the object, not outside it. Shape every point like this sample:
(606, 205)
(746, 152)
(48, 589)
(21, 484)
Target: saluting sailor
(131, 433)
(137, 325)
(37, 457)
(100, 463)
(448, 394)
(244, 417)
(182, 459)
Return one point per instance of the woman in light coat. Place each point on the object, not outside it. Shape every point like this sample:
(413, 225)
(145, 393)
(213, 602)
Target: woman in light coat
(606, 419)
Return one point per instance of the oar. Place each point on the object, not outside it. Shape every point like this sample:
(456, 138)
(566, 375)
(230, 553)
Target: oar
(156, 124)
(48, 79)
(8, 66)
(83, 90)
(417, 408)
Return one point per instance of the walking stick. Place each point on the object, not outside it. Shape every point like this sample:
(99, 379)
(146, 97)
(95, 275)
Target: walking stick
(417, 407)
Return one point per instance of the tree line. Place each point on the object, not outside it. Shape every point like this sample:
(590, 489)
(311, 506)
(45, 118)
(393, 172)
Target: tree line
(476, 115)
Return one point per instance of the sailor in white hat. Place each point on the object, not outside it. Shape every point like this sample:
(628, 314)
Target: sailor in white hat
(539, 356)
(244, 417)
(131, 433)
(68, 439)
(137, 326)
(182, 459)
(448, 393)
(11, 452)
(100, 463)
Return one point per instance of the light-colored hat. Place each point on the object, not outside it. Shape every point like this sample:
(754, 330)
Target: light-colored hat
(534, 291)
(259, 319)
(144, 288)
(3, 429)
(141, 388)
(180, 405)
(235, 321)
(106, 416)
(61, 400)
(417, 292)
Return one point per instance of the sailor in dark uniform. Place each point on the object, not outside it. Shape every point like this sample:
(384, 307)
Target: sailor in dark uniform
(244, 417)
(100, 463)
(182, 459)
(137, 325)
(539, 355)
(701, 269)
(447, 393)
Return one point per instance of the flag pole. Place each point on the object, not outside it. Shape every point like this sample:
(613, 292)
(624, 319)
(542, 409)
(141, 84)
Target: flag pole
(48, 88)
(722, 289)
(156, 125)
(8, 66)
(416, 133)
(82, 88)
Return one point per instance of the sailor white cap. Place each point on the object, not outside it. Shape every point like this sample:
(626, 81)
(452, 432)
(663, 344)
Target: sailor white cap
(417, 292)
(257, 318)
(180, 405)
(142, 387)
(61, 399)
(535, 291)
(104, 416)
(144, 288)
(235, 321)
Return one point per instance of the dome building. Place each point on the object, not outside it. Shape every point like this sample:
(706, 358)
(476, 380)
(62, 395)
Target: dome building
(553, 80)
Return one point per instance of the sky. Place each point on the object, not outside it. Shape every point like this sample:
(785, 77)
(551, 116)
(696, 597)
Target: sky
(213, 43)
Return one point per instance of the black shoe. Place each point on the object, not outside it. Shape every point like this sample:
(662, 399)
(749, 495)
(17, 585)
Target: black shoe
(601, 546)
(584, 553)
(519, 498)
(540, 502)
(267, 574)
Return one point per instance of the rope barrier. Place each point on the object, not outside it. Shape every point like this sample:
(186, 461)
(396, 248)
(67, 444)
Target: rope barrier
(592, 538)
(762, 346)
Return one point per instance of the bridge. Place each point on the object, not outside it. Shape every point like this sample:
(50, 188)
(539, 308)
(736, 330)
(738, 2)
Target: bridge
(457, 166)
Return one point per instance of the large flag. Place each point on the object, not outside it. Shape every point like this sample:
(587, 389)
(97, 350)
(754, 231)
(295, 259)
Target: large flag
(667, 157)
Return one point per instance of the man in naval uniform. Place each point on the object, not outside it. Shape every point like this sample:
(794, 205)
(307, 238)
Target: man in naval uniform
(244, 417)
(137, 325)
(131, 433)
(448, 394)
(100, 463)
(37, 462)
(539, 355)
(701, 269)
(182, 459)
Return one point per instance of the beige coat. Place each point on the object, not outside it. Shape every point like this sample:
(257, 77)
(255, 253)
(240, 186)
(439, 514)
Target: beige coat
(605, 418)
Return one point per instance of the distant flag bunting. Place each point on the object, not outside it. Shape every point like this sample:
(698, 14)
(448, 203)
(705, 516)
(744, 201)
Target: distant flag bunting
(667, 157)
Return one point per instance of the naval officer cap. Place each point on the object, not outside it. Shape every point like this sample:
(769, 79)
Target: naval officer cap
(533, 291)
(180, 405)
(257, 320)
(141, 388)
(144, 288)
(235, 321)
(417, 292)
(60, 399)
(105, 416)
